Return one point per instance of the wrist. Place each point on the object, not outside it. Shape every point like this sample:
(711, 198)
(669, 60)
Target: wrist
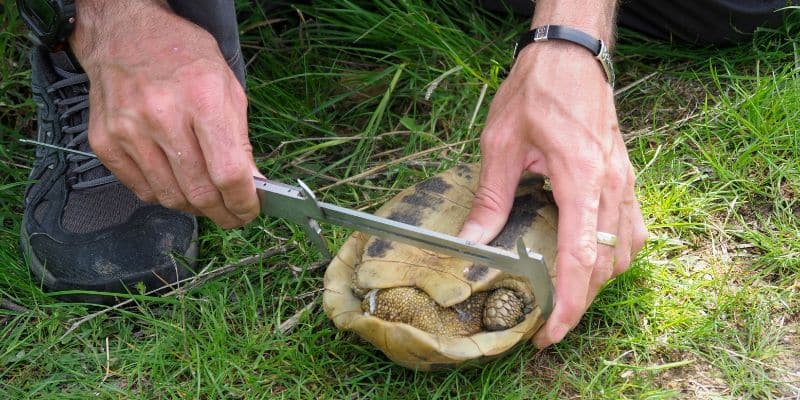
(100, 22)
(596, 18)
(575, 37)
(556, 60)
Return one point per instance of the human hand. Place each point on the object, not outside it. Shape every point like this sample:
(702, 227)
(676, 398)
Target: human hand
(554, 115)
(167, 115)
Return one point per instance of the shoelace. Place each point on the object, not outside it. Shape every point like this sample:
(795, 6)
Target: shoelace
(79, 162)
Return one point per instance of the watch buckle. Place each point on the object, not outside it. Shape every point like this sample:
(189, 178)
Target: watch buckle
(541, 33)
(605, 61)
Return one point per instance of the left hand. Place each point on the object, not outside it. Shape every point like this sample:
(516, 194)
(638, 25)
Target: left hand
(555, 115)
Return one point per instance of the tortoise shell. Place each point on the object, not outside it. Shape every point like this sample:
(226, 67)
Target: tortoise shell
(430, 311)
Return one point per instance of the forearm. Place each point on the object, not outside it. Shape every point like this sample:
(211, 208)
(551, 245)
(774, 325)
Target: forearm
(595, 17)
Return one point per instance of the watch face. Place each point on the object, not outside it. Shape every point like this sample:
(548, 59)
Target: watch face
(41, 15)
(50, 21)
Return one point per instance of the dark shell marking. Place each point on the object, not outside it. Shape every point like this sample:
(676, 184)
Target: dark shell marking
(523, 213)
(379, 247)
(435, 185)
(476, 272)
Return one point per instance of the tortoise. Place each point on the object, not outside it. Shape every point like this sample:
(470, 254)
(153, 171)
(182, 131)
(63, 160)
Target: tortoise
(429, 311)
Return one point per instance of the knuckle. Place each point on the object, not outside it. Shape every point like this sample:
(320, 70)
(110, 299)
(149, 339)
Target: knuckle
(589, 206)
(121, 125)
(622, 263)
(590, 163)
(616, 179)
(203, 196)
(239, 96)
(205, 106)
(629, 174)
(639, 239)
(99, 142)
(159, 106)
(489, 199)
(206, 84)
(583, 253)
(171, 199)
(492, 140)
(106, 154)
(586, 254)
(144, 194)
(249, 215)
(230, 176)
(573, 307)
(602, 274)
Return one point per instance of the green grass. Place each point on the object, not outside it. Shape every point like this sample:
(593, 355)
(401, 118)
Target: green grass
(709, 308)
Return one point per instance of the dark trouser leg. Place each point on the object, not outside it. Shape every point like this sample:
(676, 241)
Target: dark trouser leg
(218, 17)
(716, 22)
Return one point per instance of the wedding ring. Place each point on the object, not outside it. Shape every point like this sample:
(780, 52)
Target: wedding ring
(607, 239)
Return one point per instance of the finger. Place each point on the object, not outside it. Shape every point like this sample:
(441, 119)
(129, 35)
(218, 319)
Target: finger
(491, 204)
(608, 221)
(577, 194)
(131, 176)
(498, 181)
(123, 167)
(616, 187)
(623, 252)
(220, 125)
(189, 168)
(639, 229)
(158, 173)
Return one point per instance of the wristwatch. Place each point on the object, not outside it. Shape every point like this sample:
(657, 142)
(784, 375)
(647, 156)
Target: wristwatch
(558, 32)
(50, 21)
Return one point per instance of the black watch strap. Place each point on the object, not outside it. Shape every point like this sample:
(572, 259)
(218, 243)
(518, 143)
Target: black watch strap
(559, 32)
(50, 21)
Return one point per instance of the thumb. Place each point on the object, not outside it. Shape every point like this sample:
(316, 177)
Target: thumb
(255, 171)
(493, 200)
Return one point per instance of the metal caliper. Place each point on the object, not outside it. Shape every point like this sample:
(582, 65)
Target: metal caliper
(299, 205)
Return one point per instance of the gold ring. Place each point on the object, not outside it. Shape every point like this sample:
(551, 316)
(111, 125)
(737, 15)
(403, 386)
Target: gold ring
(607, 239)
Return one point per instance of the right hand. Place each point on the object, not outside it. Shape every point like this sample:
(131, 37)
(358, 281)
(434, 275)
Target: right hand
(167, 115)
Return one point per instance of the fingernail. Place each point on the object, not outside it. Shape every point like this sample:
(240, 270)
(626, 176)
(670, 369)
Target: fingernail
(558, 332)
(257, 173)
(539, 342)
(472, 232)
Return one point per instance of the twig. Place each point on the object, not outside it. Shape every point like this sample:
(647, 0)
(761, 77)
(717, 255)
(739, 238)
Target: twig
(477, 107)
(309, 294)
(435, 83)
(342, 139)
(108, 362)
(335, 179)
(199, 280)
(193, 282)
(259, 24)
(423, 164)
(13, 164)
(393, 162)
(286, 326)
(10, 305)
(311, 267)
(630, 136)
(634, 83)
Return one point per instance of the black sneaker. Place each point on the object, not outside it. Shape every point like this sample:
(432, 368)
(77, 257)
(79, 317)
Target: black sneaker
(83, 229)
